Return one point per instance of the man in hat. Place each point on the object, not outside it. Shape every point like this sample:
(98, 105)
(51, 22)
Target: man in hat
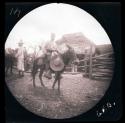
(20, 58)
(48, 49)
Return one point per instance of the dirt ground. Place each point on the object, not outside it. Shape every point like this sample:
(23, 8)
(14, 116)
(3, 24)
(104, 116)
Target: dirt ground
(77, 96)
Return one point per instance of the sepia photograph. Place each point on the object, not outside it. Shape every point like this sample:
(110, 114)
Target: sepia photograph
(59, 61)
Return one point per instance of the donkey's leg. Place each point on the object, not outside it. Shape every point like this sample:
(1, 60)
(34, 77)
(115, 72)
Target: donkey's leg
(34, 75)
(34, 72)
(59, 77)
(40, 76)
(55, 81)
(59, 85)
(11, 68)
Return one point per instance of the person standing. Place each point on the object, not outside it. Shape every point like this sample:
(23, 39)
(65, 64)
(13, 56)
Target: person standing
(20, 58)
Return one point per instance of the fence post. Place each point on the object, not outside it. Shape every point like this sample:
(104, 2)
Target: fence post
(85, 64)
(74, 68)
(90, 63)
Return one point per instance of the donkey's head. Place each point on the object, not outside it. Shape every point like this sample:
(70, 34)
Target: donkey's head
(69, 56)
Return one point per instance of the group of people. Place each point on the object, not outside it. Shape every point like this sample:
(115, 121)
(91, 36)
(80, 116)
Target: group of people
(49, 49)
(46, 50)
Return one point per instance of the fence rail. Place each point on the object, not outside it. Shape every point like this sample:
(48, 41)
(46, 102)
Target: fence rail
(100, 66)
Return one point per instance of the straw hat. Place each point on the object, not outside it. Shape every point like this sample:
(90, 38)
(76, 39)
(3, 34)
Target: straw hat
(57, 64)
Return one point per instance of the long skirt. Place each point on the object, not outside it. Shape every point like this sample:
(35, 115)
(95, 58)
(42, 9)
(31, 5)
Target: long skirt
(20, 64)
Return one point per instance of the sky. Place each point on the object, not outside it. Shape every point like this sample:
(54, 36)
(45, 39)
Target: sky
(36, 26)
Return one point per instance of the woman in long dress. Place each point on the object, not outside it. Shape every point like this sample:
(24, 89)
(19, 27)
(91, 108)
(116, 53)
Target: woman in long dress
(20, 58)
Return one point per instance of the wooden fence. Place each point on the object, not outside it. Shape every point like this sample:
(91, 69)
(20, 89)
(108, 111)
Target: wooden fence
(97, 67)
(100, 67)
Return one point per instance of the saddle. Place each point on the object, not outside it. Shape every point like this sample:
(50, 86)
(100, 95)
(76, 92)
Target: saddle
(56, 63)
(52, 61)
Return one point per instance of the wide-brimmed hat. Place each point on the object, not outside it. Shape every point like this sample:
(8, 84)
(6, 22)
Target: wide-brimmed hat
(57, 64)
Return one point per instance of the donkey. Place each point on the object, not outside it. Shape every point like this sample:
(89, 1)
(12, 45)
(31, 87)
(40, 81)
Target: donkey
(39, 63)
(10, 60)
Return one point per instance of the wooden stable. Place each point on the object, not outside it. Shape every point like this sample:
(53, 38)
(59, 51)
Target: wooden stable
(96, 67)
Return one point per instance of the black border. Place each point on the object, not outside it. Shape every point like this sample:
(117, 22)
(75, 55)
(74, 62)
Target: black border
(111, 21)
